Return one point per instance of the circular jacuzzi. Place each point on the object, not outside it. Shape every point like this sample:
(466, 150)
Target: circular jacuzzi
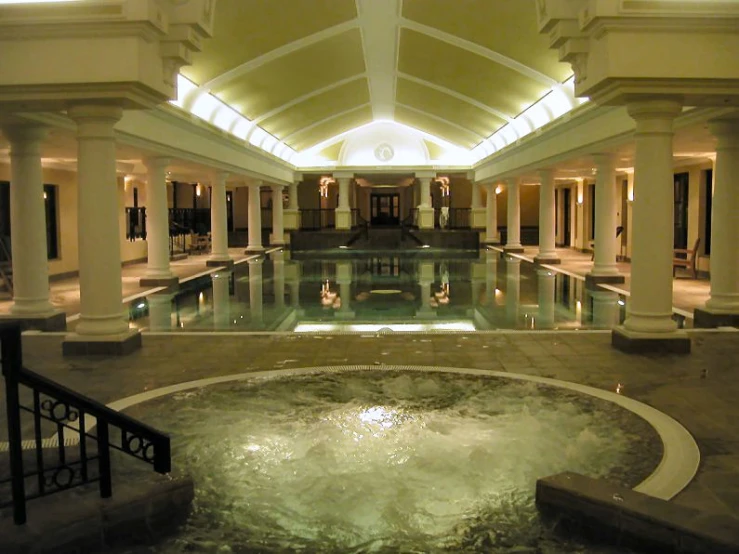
(398, 459)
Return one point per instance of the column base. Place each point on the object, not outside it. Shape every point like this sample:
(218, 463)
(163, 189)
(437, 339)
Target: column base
(425, 218)
(254, 250)
(159, 281)
(513, 249)
(276, 241)
(591, 279)
(676, 342)
(177, 257)
(54, 321)
(291, 219)
(343, 218)
(495, 241)
(707, 319)
(103, 345)
(551, 260)
(220, 263)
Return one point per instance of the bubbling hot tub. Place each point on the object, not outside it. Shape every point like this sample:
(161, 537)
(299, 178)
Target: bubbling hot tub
(390, 460)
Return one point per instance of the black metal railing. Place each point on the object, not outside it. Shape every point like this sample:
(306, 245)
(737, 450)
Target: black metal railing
(135, 223)
(81, 452)
(177, 234)
(196, 220)
(325, 218)
(460, 218)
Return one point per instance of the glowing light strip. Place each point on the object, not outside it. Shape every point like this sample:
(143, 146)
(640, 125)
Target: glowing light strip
(216, 112)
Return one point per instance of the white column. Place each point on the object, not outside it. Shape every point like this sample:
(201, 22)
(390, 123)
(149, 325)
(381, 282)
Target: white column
(425, 209)
(278, 278)
(605, 219)
(606, 309)
(293, 197)
(491, 220)
(99, 238)
(160, 311)
(513, 242)
(219, 219)
(157, 222)
(650, 305)
(343, 211)
(475, 202)
(724, 220)
(255, 219)
(292, 213)
(28, 222)
(278, 231)
(547, 213)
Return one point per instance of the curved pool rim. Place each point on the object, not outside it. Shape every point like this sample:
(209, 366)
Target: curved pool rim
(677, 468)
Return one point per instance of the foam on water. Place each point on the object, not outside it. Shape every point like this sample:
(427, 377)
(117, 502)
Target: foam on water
(387, 462)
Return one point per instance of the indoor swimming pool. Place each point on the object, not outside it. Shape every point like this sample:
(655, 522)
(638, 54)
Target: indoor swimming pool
(350, 460)
(365, 292)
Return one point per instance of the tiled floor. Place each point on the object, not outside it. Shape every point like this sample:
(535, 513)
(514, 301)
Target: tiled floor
(706, 406)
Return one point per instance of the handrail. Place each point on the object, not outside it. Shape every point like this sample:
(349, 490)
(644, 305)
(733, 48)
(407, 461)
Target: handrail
(66, 409)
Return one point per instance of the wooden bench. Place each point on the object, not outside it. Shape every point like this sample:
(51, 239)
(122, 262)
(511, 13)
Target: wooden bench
(686, 258)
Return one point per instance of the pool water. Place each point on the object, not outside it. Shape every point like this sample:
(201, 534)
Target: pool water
(388, 461)
(358, 292)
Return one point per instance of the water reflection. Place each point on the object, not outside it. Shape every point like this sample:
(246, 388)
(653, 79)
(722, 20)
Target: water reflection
(468, 290)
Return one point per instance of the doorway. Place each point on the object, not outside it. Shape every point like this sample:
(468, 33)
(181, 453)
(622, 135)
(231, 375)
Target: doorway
(567, 219)
(230, 210)
(385, 209)
(681, 210)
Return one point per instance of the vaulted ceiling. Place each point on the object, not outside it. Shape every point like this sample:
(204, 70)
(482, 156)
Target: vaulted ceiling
(307, 70)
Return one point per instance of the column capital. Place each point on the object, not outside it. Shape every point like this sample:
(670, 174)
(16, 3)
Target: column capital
(666, 108)
(31, 131)
(218, 176)
(94, 112)
(546, 175)
(156, 162)
(725, 129)
(277, 187)
(343, 175)
(604, 159)
(425, 174)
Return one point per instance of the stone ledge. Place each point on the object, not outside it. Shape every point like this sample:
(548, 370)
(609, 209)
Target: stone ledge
(547, 261)
(57, 321)
(591, 279)
(513, 249)
(674, 343)
(215, 263)
(710, 320)
(159, 281)
(78, 520)
(617, 514)
(77, 345)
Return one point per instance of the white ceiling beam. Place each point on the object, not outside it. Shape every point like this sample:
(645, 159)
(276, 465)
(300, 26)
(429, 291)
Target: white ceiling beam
(322, 121)
(277, 53)
(378, 24)
(308, 96)
(457, 95)
(442, 120)
(475, 48)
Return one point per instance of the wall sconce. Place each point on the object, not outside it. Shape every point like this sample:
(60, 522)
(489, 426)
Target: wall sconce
(45, 195)
(197, 190)
(580, 196)
(127, 179)
(323, 185)
(444, 184)
(498, 189)
(630, 195)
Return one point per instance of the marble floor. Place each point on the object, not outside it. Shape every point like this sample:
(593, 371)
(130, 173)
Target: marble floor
(699, 390)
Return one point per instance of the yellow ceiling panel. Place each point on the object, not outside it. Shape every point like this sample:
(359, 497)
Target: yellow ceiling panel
(247, 29)
(480, 78)
(435, 127)
(292, 76)
(331, 128)
(448, 107)
(435, 151)
(332, 152)
(340, 99)
(507, 27)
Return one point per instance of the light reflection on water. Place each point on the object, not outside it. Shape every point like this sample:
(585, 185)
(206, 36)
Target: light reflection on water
(351, 293)
(388, 461)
